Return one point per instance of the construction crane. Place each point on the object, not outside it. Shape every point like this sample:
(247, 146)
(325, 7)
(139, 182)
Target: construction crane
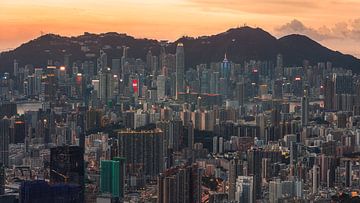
(61, 175)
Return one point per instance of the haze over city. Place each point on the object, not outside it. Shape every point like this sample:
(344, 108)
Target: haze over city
(333, 23)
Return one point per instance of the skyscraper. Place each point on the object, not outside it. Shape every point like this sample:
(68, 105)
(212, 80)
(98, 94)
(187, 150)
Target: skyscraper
(160, 84)
(143, 151)
(112, 177)
(305, 109)
(149, 61)
(67, 165)
(225, 68)
(4, 140)
(102, 61)
(240, 92)
(235, 170)
(279, 69)
(180, 185)
(106, 85)
(180, 68)
(190, 135)
(277, 89)
(244, 189)
(348, 173)
(2, 179)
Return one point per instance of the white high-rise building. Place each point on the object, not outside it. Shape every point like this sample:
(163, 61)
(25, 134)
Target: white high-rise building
(244, 189)
(283, 189)
(160, 84)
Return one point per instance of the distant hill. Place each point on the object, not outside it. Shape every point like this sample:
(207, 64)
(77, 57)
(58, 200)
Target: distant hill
(240, 44)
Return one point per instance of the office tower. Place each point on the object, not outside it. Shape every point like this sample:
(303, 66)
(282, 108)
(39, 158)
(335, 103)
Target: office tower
(49, 85)
(15, 68)
(255, 158)
(215, 145)
(279, 69)
(214, 82)
(96, 88)
(106, 84)
(67, 166)
(4, 140)
(221, 145)
(261, 122)
(240, 92)
(305, 109)
(205, 82)
(102, 61)
(180, 68)
(155, 65)
(161, 86)
(143, 151)
(149, 61)
(244, 189)
(297, 86)
(116, 67)
(112, 177)
(277, 89)
(348, 173)
(180, 185)
(124, 60)
(2, 179)
(89, 69)
(223, 87)
(41, 191)
(38, 77)
(225, 69)
(190, 135)
(235, 170)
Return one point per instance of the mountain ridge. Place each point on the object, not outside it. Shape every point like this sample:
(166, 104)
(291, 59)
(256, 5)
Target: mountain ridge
(240, 44)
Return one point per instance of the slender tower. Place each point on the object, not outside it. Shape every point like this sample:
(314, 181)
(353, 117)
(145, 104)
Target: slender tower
(180, 66)
(305, 109)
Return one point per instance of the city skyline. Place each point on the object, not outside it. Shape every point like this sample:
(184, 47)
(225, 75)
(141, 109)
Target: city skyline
(332, 27)
(182, 101)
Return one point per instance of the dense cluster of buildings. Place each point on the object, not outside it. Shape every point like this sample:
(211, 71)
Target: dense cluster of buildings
(153, 130)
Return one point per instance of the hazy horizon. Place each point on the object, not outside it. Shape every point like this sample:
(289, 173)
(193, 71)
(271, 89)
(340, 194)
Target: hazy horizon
(326, 22)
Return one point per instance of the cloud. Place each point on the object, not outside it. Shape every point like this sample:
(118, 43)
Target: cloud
(341, 30)
(297, 27)
(263, 7)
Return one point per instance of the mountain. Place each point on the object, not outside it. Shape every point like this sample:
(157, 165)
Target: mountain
(240, 44)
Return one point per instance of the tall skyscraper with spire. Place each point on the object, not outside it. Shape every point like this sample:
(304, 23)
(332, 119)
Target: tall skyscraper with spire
(225, 76)
(180, 68)
(225, 68)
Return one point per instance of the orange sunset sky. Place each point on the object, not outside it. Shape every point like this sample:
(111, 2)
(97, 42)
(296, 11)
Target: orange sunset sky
(333, 23)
